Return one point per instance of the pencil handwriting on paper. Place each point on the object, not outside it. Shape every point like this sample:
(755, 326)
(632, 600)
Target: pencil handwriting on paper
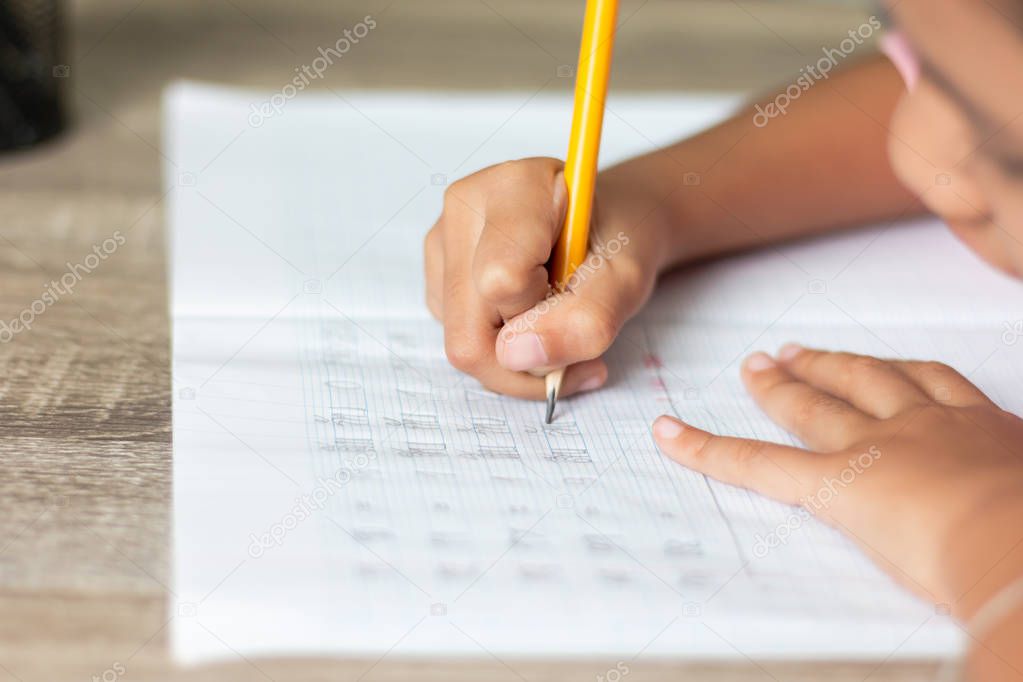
(340, 489)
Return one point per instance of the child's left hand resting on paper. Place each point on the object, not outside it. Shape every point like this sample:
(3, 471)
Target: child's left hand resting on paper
(915, 454)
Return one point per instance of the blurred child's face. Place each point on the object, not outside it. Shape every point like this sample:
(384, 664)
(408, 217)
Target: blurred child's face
(956, 138)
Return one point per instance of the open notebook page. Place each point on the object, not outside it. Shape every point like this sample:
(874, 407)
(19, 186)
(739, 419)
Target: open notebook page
(340, 489)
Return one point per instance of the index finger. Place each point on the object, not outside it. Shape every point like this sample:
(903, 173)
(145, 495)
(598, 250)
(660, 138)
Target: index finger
(782, 472)
(523, 219)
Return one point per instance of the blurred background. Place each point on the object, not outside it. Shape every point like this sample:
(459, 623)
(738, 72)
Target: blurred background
(115, 56)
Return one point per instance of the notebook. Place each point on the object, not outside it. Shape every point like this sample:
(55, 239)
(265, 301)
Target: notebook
(339, 489)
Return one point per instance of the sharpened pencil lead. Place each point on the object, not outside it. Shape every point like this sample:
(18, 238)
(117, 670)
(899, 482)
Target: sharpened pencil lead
(552, 387)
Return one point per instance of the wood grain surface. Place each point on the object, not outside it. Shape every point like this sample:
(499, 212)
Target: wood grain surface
(85, 420)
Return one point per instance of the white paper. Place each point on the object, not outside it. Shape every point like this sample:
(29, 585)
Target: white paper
(340, 489)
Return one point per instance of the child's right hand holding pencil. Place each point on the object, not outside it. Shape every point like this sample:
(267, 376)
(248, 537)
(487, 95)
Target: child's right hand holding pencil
(487, 283)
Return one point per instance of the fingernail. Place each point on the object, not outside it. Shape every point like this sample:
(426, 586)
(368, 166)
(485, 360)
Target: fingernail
(789, 351)
(667, 427)
(524, 352)
(758, 362)
(590, 384)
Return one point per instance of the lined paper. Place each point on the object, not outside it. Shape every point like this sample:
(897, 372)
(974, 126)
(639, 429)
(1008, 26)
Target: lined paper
(340, 489)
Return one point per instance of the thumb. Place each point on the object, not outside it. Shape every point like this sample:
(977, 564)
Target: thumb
(579, 323)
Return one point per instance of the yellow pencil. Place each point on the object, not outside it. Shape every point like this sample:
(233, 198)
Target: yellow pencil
(591, 83)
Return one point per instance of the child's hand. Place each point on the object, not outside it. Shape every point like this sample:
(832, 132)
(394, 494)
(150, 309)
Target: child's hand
(909, 459)
(486, 281)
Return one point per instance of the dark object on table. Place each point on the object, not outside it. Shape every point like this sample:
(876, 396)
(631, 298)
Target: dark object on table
(32, 72)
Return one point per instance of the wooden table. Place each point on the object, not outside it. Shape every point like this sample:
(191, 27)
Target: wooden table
(85, 452)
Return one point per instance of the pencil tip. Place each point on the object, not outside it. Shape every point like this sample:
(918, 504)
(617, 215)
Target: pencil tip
(552, 385)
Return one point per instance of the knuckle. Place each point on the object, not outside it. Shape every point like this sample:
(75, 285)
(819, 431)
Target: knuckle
(697, 445)
(507, 175)
(594, 326)
(745, 456)
(815, 406)
(523, 169)
(464, 354)
(933, 368)
(854, 368)
(865, 362)
(451, 194)
(499, 281)
(460, 194)
(632, 277)
(513, 171)
(809, 360)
